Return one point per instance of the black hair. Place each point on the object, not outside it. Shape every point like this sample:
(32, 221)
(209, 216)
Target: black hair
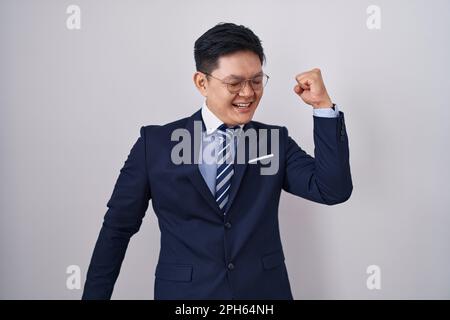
(223, 39)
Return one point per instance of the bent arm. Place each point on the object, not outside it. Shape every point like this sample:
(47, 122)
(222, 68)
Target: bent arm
(325, 178)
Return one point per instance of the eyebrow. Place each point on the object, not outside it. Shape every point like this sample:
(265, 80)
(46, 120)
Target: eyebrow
(239, 77)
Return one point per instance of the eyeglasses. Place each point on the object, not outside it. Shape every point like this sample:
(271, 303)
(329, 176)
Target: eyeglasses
(257, 83)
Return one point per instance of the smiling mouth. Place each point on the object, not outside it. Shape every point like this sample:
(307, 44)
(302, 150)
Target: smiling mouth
(242, 105)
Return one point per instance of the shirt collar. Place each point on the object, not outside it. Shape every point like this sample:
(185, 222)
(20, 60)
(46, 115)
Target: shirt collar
(211, 121)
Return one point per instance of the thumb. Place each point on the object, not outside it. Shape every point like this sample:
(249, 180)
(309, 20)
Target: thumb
(298, 90)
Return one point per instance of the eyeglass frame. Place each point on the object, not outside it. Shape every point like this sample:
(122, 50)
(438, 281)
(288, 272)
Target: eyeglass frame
(242, 81)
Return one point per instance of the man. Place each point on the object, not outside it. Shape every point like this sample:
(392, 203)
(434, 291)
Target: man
(219, 220)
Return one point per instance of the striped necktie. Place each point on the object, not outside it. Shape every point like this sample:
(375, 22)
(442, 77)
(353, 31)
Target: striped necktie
(225, 168)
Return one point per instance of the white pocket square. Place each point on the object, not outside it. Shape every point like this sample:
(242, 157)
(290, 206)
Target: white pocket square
(261, 158)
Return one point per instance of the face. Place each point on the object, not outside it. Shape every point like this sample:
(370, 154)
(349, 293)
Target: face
(231, 69)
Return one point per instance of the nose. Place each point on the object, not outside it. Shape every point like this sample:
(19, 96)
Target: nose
(247, 90)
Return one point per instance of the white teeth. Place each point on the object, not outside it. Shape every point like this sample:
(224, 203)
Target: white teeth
(242, 105)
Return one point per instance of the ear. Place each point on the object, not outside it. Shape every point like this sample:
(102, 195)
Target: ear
(201, 83)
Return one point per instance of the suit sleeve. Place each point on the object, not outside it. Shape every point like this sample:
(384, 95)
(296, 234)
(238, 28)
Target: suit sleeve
(325, 178)
(126, 209)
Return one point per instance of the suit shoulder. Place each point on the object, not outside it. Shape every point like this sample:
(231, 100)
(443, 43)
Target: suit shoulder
(282, 130)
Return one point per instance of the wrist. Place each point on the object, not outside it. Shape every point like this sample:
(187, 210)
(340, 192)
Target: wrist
(323, 104)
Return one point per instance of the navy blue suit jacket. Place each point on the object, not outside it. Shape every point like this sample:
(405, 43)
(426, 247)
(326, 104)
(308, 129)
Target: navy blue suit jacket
(204, 254)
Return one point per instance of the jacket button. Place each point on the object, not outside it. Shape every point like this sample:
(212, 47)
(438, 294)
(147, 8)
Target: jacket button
(228, 225)
(230, 266)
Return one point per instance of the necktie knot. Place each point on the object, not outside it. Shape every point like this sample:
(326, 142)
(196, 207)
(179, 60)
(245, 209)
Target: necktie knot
(223, 128)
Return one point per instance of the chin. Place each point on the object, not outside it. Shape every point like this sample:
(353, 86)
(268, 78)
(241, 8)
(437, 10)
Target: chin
(242, 116)
(240, 119)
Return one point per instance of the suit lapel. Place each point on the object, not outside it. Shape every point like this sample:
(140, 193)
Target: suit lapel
(239, 168)
(193, 172)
